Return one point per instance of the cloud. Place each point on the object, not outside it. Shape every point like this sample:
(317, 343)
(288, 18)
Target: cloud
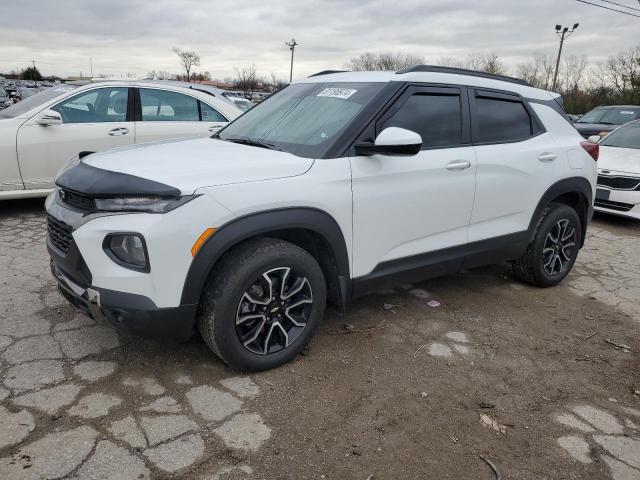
(123, 36)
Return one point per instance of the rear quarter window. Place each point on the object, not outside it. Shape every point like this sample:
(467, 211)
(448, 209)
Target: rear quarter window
(500, 120)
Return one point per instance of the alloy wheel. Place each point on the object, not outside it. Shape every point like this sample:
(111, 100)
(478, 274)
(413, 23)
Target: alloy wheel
(273, 311)
(559, 247)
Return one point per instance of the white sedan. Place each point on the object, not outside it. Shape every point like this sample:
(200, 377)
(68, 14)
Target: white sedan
(41, 133)
(618, 188)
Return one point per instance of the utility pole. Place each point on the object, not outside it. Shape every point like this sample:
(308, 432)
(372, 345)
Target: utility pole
(292, 46)
(563, 33)
(91, 66)
(33, 72)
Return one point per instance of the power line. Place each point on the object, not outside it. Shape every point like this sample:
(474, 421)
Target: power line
(609, 8)
(621, 5)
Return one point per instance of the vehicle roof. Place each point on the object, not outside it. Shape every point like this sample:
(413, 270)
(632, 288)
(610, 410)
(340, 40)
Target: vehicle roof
(441, 77)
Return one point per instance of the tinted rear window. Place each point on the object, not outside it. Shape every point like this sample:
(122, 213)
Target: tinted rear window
(501, 120)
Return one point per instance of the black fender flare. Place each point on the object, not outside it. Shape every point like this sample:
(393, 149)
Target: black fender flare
(579, 185)
(261, 223)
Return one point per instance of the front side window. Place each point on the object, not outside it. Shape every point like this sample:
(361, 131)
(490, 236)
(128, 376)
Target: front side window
(95, 106)
(627, 136)
(210, 114)
(166, 106)
(437, 118)
(501, 120)
(304, 119)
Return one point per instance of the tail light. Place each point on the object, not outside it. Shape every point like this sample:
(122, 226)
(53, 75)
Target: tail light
(592, 149)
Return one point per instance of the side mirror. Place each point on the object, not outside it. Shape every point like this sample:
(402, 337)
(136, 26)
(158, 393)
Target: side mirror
(49, 117)
(594, 138)
(392, 141)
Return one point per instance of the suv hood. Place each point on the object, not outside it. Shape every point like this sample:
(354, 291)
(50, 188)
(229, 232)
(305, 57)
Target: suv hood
(203, 162)
(617, 159)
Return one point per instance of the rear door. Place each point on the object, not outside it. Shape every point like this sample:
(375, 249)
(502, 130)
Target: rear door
(517, 161)
(93, 120)
(166, 114)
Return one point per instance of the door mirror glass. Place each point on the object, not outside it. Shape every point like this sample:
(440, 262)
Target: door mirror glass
(392, 141)
(49, 117)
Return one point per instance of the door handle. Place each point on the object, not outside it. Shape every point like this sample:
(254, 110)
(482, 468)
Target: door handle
(214, 128)
(547, 157)
(116, 132)
(458, 165)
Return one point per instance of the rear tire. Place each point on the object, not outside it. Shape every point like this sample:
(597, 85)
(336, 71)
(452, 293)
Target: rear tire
(554, 248)
(262, 304)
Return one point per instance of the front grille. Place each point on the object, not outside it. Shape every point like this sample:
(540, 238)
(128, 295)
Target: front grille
(619, 183)
(76, 200)
(59, 234)
(610, 204)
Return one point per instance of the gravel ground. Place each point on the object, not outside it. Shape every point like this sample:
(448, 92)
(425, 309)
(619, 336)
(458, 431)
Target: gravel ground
(543, 384)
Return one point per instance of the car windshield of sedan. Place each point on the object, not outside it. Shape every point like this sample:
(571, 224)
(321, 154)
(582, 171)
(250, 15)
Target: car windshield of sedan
(610, 116)
(303, 119)
(624, 137)
(35, 100)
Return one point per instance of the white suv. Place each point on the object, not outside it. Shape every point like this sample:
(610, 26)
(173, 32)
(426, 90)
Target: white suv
(341, 184)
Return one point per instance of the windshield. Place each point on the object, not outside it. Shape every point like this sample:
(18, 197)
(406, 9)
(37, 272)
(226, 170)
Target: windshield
(610, 116)
(304, 118)
(3, 92)
(624, 137)
(34, 101)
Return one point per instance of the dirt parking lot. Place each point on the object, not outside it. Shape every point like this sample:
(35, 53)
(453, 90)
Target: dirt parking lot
(543, 384)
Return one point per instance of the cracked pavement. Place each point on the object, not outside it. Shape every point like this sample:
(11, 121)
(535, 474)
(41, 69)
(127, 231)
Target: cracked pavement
(394, 387)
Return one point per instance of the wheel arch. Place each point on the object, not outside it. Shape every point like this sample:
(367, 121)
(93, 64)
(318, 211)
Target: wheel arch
(309, 228)
(576, 192)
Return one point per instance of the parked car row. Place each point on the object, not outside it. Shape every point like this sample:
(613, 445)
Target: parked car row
(42, 132)
(604, 119)
(13, 91)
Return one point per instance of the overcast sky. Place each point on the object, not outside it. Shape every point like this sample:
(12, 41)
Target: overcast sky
(136, 36)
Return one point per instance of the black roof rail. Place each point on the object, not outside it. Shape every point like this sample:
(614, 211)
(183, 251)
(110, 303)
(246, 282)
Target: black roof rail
(462, 71)
(327, 72)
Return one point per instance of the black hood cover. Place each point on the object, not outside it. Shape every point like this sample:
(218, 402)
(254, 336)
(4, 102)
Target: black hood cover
(99, 183)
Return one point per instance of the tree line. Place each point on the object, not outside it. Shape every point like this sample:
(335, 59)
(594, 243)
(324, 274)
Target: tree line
(582, 83)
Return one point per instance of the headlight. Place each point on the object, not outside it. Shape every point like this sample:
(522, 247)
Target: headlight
(128, 250)
(148, 204)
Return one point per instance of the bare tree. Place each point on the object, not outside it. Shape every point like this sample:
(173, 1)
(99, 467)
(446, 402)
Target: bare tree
(489, 63)
(450, 62)
(188, 59)
(383, 61)
(247, 79)
(160, 75)
(276, 83)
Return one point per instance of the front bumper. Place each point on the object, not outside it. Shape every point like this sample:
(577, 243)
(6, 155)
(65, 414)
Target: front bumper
(128, 313)
(624, 203)
(78, 275)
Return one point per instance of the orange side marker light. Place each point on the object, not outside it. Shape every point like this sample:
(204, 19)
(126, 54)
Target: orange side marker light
(201, 240)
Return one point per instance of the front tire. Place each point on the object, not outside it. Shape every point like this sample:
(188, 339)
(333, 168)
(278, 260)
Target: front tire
(262, 304)
(554, 248)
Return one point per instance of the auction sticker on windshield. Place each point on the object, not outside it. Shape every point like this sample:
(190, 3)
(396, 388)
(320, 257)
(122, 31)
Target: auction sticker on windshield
(342, 93)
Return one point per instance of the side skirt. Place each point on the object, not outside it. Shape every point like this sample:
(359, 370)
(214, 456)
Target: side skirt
(441, 262)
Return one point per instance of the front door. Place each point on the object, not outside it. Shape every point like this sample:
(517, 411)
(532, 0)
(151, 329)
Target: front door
(93, 120)
(408, 209)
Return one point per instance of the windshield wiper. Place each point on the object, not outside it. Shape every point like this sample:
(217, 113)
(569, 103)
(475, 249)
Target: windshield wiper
(253, 143)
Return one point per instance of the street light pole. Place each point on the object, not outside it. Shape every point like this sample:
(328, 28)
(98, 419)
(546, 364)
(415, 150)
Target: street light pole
(292, 46)
(563, 33)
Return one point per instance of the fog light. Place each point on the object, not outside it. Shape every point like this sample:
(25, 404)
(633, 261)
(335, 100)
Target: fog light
(128, 250)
